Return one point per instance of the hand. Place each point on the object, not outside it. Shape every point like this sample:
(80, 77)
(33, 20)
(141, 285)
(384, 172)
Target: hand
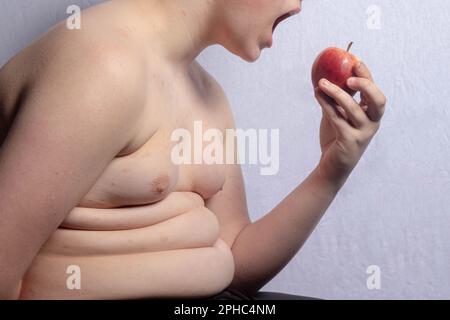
(347, 126)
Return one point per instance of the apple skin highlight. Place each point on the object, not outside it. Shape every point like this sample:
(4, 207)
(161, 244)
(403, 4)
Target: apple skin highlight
(335, 65)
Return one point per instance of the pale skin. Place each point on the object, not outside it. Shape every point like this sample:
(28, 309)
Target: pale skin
(85, 160)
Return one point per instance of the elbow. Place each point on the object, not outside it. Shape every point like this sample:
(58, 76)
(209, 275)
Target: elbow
(247, 291)
(248, 288)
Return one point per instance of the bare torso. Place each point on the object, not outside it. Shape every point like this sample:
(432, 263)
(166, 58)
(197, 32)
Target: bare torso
(143, 230)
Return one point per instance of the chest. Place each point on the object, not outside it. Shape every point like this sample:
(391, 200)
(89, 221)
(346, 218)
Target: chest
(172, 152)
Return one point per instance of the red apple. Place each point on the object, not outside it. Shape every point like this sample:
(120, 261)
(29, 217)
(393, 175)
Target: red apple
(335, 65)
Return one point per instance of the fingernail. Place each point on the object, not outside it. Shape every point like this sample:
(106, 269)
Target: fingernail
(325, 82)
(351, 81)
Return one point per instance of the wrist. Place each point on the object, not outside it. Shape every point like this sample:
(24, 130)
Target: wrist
(333, 180)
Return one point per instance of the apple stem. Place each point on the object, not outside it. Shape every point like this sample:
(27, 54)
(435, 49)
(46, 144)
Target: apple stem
(349, 46)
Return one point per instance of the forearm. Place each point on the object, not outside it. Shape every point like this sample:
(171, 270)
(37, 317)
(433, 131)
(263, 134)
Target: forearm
(264, 247)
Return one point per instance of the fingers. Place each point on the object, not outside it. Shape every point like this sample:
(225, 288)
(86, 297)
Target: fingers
(331, 112)
(372, 96)
(361, 71)
(352, 109)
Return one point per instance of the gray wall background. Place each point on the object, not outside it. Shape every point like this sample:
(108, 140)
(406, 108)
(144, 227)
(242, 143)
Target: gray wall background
(394, 211)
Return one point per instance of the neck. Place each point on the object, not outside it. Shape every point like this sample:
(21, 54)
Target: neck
(185, 27)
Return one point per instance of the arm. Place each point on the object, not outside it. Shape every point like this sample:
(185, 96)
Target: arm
(72, 124)
(264, 247)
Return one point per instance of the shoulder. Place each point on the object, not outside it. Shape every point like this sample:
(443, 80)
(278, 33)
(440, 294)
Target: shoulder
(102, 47)
(86, 77)
(90, 72)
(72, 52)
(91, 66)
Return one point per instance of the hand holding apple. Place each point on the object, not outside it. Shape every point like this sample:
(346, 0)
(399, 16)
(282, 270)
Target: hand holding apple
(347, 126)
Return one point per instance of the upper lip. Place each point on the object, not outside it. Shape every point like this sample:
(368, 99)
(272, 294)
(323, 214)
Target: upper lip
(285, 16)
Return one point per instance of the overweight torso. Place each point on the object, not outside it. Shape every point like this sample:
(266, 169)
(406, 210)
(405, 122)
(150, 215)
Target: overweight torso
(143, 230)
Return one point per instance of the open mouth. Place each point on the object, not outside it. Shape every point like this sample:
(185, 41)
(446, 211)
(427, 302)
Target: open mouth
(284, 17)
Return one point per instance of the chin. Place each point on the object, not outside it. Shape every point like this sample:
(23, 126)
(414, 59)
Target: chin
(251, 58)
(251, 54)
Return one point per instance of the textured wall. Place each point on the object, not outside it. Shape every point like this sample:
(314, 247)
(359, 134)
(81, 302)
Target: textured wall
(394, 211)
